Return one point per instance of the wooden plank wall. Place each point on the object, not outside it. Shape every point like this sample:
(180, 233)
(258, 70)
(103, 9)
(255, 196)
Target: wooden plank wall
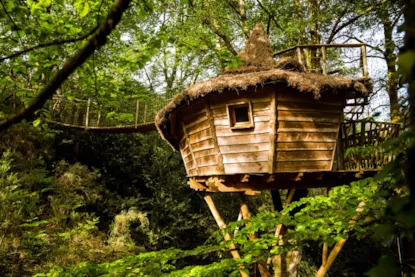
(307, 130)
(244, 150)
(305, 133)
(197, 145)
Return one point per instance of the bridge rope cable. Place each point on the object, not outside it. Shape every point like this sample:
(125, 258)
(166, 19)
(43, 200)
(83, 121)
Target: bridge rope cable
(125, 115)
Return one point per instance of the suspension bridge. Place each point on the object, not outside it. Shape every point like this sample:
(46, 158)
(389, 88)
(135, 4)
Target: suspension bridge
(120, 116)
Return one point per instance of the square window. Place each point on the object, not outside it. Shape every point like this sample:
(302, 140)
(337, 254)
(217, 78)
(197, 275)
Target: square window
(240, 115)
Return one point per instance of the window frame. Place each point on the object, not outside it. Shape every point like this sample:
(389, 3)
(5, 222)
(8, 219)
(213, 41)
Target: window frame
(230, 109)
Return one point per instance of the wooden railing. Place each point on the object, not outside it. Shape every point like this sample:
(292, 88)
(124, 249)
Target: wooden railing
(361, 144)
(314, 57)
(125, 115)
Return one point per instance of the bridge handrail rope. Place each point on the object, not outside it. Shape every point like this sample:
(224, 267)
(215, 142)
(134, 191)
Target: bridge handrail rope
(128, 115)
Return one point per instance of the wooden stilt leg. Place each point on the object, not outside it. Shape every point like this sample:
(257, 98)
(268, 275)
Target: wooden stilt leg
(325, 253)
(221, 224)
(333, 255)
(262, 267)
(324, 268)
(325, 245)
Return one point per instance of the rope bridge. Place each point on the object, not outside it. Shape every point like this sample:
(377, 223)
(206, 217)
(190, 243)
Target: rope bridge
(120, 116)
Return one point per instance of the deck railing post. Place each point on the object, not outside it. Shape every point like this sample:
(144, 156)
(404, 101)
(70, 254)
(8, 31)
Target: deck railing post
(87, 113)
(324, 62)
(137, 109)
(99, 115)
(145, 113)
(300, 58)
(307, 63)
(364, 61)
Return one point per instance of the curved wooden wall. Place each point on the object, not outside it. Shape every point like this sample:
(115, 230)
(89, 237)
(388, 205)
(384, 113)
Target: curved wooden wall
(293, 132)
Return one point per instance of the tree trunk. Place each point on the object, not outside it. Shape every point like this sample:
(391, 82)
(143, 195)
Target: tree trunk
(390, 57)
(409, 47)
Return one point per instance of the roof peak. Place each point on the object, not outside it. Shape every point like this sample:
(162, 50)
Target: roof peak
(258, 51)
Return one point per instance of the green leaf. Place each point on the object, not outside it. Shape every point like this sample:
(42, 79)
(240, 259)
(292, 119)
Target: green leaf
(85, 10)
(36, 122)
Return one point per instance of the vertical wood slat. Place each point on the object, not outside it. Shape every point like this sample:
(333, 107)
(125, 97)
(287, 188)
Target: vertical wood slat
(362, 133)
(272, 132)
(87, 113)
(209, 113)
(190, 148)
(145, 114)
(137, 109)
(324, 61)
(338, 147)
(364, 61)
(307, 54)
(300, 58)
(99, 115)
(339, 151)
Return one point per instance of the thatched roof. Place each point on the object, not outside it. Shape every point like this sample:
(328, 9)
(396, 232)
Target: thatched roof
(259, 69)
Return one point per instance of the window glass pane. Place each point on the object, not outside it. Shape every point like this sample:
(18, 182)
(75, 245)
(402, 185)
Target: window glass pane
(241, 114)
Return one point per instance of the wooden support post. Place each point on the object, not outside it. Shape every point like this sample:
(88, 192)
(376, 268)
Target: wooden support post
(333, 255)
(99, 115)
(299, 56)
(287, 202)
(324, 61)
(364, 61)
(272, 132)
(338, 246)
(325, 253)
(87, 113)
(307, 62)
(137, 109)
(262, 267)
(221, 224)
(145, 113)
(279, 226)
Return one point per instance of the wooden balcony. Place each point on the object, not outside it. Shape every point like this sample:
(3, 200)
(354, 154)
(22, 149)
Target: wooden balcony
(361, 142)
(321, 58)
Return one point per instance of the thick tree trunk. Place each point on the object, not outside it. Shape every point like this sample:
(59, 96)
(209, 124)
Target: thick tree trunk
(409, 47)
(390, 57)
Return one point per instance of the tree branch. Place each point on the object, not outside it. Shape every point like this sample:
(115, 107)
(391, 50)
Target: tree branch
(271, 15)
(352, 20)
(54, 42)
(98, 40)
(337, 22)
(8, 15)
(223, 37)
(396, 20)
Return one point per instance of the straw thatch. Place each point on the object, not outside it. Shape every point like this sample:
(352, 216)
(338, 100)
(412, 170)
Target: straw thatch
(290, 64)
(259, 69)
(258, 51)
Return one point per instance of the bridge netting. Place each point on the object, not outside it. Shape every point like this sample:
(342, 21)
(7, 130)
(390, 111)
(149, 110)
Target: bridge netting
(121, 115)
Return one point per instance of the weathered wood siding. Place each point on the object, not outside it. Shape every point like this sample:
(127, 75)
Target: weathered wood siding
(307, 130)
(292, 132)
(196, 144)
(244, 150)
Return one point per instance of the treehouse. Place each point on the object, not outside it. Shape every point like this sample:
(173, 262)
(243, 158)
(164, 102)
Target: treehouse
(273, 124)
